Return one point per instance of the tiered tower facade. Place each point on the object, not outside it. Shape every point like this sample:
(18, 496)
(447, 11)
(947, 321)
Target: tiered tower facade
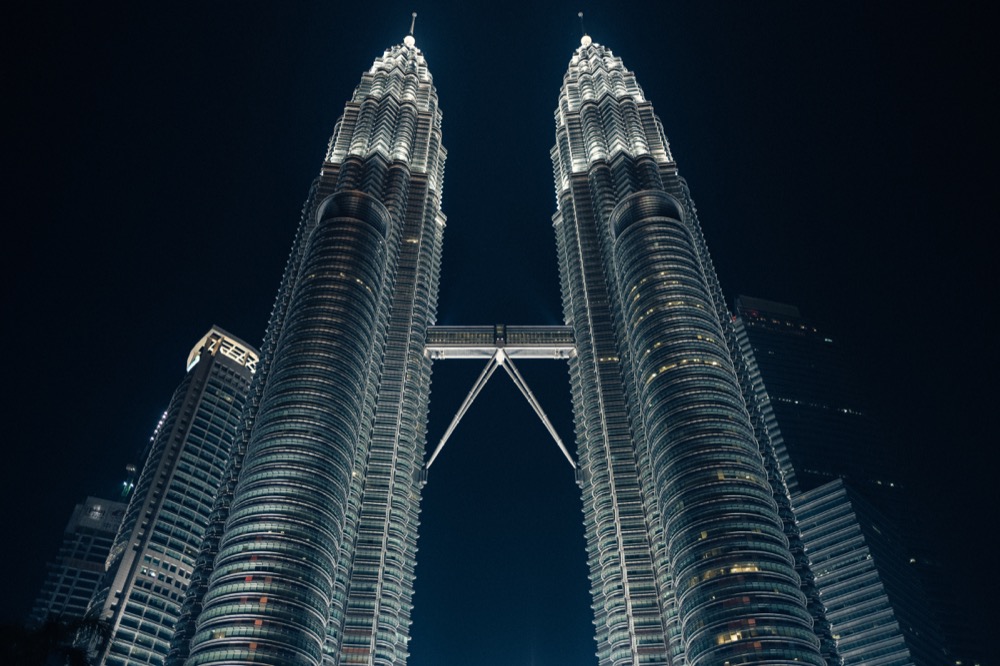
(311, 557)
(688, 557)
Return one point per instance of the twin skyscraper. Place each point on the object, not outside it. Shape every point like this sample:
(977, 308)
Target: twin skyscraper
(309, 556)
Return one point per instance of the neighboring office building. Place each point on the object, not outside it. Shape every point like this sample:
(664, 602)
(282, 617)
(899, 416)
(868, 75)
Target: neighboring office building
(316, 559)
(843, 488)
(818, 404)
(74, 576)
(153, 554)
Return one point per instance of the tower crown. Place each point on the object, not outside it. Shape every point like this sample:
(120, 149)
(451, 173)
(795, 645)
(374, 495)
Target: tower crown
(602, 114)
(382, 116)
(217, 341)
(595, 71)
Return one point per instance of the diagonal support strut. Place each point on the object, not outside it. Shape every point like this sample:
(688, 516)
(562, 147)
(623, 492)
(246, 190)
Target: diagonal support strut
(484, 376)
(500, 358)
(508, 365)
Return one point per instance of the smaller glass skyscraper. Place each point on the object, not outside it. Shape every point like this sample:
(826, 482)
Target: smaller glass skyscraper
(816, 401)
(75, 574)
(847, 501)
(154, 552)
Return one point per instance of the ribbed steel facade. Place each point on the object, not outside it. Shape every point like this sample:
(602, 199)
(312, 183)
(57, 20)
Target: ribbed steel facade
(783, 482)
(310, 557)
(688, 557)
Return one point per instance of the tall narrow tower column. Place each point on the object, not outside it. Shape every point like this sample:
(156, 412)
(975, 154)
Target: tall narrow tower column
(311, 556)
(688, 559)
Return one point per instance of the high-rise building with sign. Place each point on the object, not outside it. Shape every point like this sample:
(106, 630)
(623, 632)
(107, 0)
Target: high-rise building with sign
(150, 563)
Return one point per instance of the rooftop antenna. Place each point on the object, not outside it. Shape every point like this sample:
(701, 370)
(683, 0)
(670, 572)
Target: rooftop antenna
(409, 39)
(585, 40)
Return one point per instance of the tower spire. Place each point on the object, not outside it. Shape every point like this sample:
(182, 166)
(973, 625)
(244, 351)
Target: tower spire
(585, 39)
(409, 40)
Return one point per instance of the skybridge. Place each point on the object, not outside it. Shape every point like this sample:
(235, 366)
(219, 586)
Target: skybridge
(500, 345)
(445, 342)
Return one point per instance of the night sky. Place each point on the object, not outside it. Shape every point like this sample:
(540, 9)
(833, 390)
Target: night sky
(842, 157)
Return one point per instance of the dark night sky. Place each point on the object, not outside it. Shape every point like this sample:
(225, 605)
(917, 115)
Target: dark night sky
(842, 156)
